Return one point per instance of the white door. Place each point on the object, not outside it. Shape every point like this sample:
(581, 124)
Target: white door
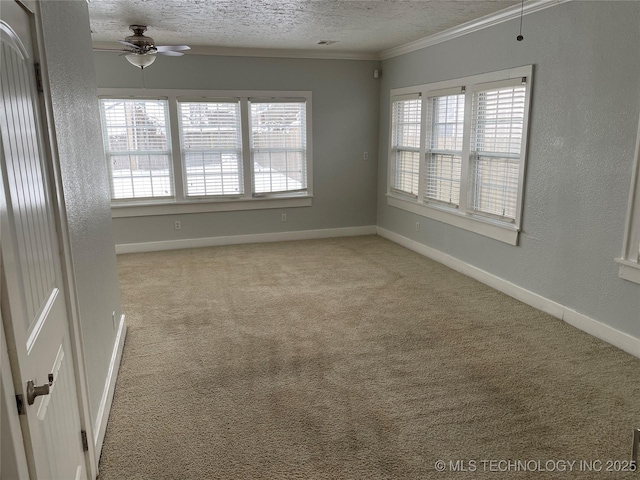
(33, 302)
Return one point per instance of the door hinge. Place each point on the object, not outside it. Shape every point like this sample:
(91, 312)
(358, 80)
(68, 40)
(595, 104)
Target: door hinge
(85, 442)
(20, 404)
(38, 71)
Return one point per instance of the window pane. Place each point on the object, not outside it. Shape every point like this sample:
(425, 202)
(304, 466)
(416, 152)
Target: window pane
(140, 176)
(406, 171)
(278, 171)
(443, 178)
(446, 118)
(211, 143)
(406, 123)
(212, 173)
(137, 147)
(279, 147)
(496, 186)
(134, 125)
(498, 120)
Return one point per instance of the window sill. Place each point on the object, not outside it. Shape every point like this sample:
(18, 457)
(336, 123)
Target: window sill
(486, 227)
(205, 206)
(628, 270)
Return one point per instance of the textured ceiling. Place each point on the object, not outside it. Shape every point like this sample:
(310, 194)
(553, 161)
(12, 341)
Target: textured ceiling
(368, 26)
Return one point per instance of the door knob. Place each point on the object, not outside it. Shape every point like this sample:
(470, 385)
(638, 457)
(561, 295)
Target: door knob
(33, 391)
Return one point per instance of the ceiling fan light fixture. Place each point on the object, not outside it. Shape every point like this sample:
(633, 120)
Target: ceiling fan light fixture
(140, 60)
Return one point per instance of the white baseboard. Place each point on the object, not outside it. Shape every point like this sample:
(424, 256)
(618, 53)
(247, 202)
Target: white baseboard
(587, 324)
(239, 239)
(603, 331)
(100, 427)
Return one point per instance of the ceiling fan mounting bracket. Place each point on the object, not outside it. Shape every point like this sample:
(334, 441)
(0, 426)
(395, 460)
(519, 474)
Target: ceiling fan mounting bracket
(138, 29)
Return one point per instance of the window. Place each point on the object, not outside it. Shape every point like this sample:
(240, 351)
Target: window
(470, 170)
(629, 262)
(278, 146)
(405, 144)
(444, 154)
(211, 148)
(137, 147)
(496, 145)
(196, 151)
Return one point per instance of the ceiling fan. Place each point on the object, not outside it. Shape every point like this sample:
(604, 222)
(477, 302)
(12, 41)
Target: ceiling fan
(141, 50)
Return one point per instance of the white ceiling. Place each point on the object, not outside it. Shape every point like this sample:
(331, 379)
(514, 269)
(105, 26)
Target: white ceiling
(364, 27)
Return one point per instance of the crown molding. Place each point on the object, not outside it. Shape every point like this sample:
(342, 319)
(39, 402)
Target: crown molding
(511, 13)
(283, 53)
(259, 52)
(496, 18)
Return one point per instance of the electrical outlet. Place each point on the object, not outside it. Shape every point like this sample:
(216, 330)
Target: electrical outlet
(417, 226)
(284, 217)
(365, 155)
(177, 225)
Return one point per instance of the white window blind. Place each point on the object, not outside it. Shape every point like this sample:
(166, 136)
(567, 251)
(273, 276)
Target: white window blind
(211, 147)
(405, 145)
(278, 146)
(445, 119)
(496, 147)
(137, 146)
(406, 123)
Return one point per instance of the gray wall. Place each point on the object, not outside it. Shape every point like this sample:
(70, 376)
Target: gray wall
(345, 124)
(85, 184)
(583, 127)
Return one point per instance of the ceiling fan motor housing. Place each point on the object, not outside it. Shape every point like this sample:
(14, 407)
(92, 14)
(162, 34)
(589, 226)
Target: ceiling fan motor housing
(144, 43)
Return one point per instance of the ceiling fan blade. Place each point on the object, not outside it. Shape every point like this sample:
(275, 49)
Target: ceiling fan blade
(171, 53)
(129, 44)
(167, 48)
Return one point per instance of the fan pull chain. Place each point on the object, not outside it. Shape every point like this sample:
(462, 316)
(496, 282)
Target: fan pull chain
(520, 37)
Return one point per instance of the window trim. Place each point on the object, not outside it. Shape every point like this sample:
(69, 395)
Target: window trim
(463, 216)
(180, 203)
(629, 261)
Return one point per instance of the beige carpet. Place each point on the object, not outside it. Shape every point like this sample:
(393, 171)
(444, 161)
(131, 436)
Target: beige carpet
(353, 358)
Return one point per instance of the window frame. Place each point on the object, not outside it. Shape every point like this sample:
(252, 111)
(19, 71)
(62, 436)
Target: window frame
(180, 203)
(629, 261)
(462, 215)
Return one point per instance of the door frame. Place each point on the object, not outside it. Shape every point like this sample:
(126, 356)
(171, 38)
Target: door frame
(52, 170)
(11, 431)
